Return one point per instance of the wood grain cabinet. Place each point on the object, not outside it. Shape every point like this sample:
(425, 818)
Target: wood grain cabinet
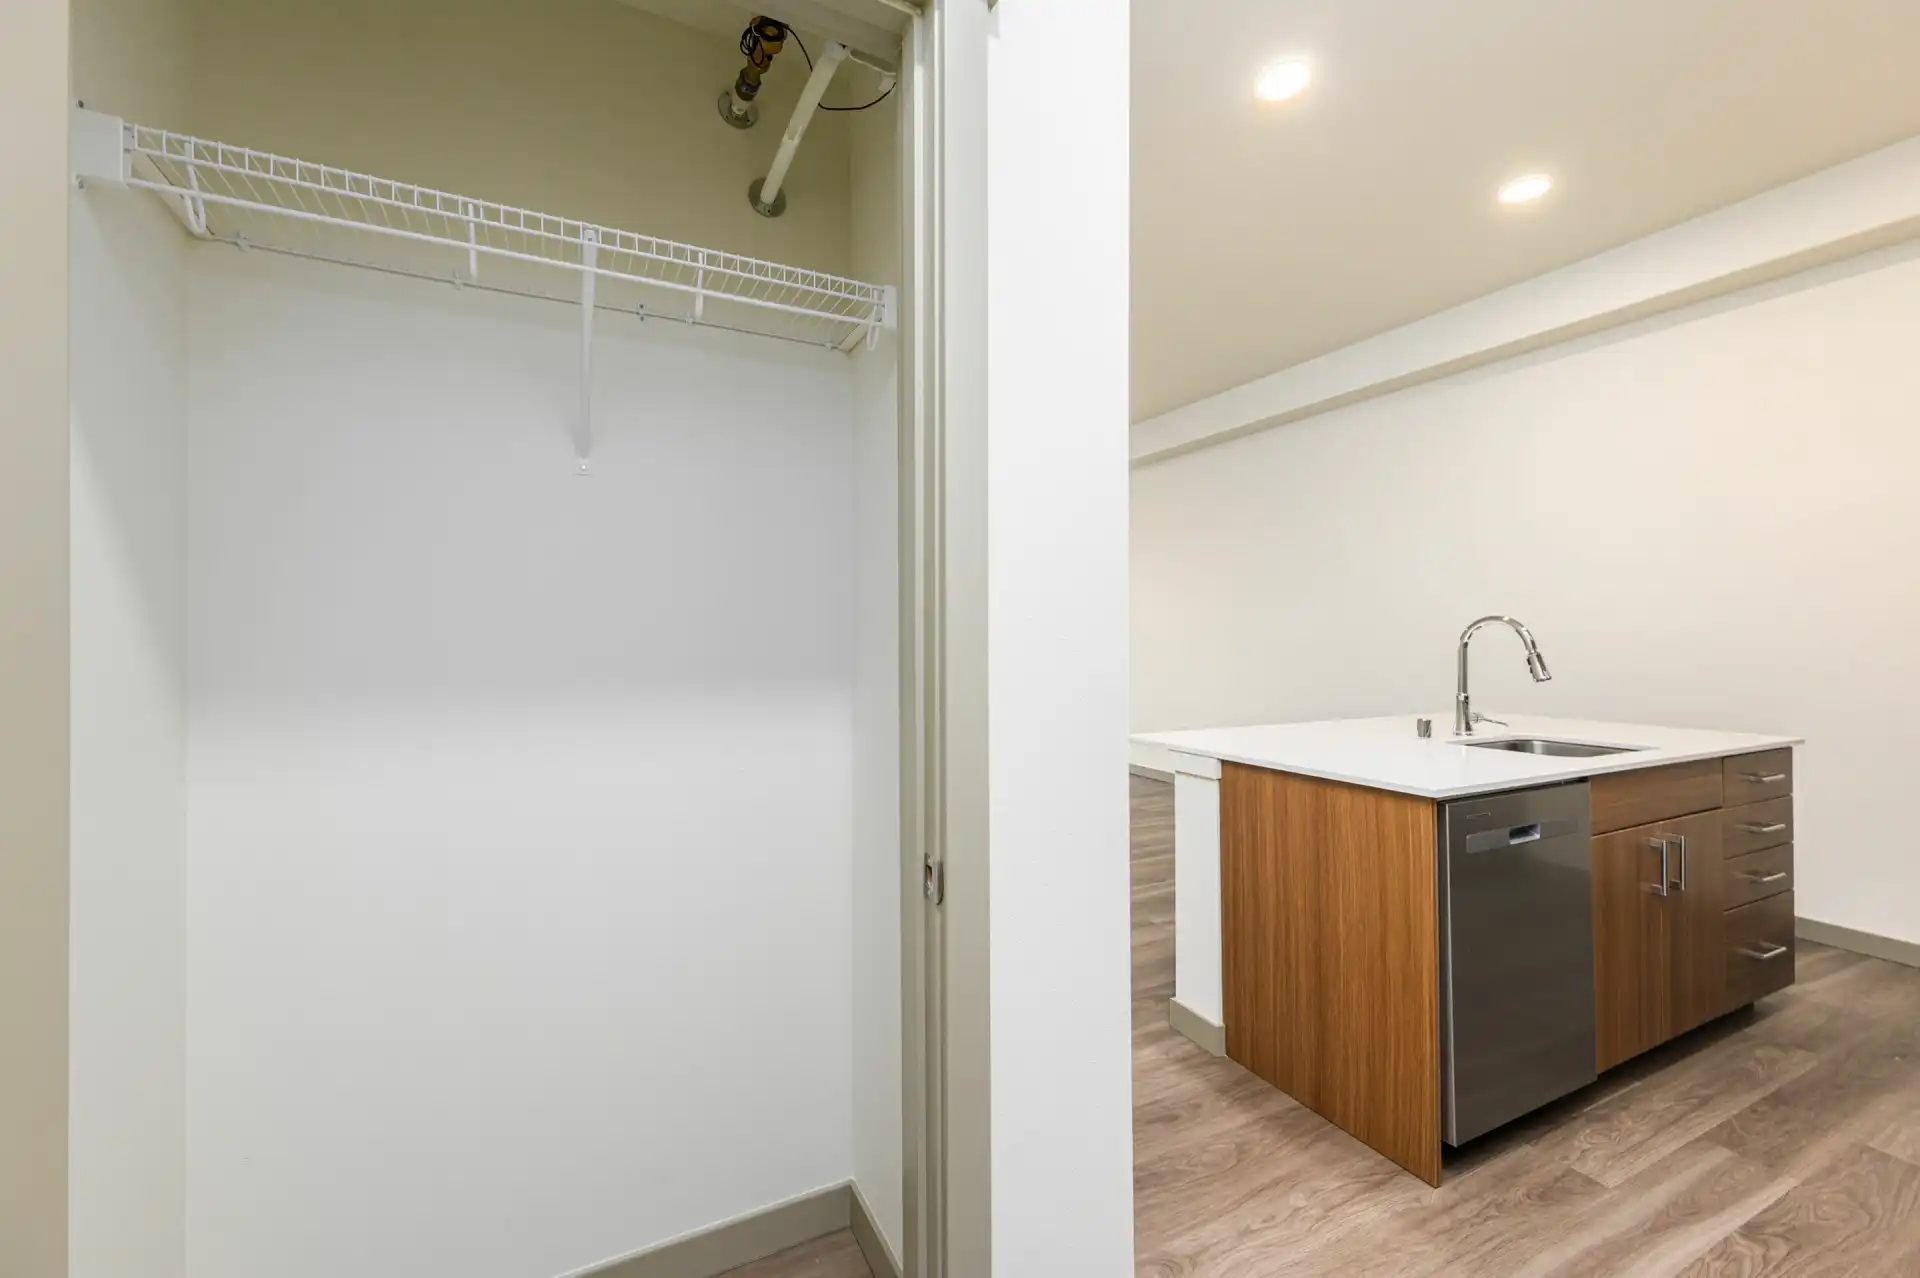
(1759, 949)
(1632, 944)
(1749, 778)
(1757, 876)
(1693, 902)
(1330, 927)
(1659, 968)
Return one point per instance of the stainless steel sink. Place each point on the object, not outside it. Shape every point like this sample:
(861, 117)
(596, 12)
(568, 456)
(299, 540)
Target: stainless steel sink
(1559, 749)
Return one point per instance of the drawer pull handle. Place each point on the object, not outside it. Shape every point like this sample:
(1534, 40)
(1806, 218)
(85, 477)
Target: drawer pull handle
(1763, 952)
(1753, 877)
(1754, 827)
(1764, 778)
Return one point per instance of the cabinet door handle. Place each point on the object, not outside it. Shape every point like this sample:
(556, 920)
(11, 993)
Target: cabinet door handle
(1763, 952)
(1764, 778)
(1753, 876)
(1666, 850)
(1754, 827)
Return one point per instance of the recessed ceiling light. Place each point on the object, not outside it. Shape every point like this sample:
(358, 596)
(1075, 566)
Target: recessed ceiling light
(1523, 189)
(1285, 79)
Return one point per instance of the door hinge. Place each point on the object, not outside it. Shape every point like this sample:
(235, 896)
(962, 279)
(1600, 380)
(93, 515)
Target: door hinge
(934, 880)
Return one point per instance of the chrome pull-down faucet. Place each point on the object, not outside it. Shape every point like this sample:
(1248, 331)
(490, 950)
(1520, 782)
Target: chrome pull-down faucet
(1463, 716)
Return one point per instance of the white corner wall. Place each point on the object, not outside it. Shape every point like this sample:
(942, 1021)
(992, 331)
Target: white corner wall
(519, 805)
(128, 648)
(127, 645)
(1056, 454)
(1707, 519)
(877, 1115)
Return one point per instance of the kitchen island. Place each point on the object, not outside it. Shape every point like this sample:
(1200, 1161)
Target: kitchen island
(1311, 901)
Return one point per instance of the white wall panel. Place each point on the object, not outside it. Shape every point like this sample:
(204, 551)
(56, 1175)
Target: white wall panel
(520, 802)
(1707, 519)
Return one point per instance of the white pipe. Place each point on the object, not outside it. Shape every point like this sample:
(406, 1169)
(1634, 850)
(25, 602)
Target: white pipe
(830, 59)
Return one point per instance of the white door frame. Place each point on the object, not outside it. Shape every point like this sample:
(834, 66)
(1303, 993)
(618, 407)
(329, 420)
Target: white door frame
(943, 623)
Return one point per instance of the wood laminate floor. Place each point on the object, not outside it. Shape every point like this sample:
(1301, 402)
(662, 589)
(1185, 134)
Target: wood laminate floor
(1780, 1141)
(835, 1256)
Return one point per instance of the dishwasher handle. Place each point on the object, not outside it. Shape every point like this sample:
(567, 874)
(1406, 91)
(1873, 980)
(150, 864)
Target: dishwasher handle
(1518, 835)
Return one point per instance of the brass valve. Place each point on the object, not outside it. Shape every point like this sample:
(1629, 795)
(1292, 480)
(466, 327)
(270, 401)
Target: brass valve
(760, 43)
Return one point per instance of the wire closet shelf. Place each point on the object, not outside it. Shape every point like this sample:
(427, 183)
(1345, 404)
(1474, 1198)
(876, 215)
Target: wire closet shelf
(255, 199)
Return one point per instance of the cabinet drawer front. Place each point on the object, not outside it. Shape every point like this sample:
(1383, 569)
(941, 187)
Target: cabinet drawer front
(1758, 875)
(1759, 949)
(1753, 777)
(1623, 799)
(1753, 826)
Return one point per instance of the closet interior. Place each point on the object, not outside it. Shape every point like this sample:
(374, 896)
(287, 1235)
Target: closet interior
(485, 640)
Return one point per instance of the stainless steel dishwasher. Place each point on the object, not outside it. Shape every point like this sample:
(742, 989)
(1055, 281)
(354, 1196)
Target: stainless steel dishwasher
(1516, 955)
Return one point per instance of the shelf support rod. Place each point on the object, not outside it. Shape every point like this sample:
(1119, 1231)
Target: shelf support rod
(583, 421)
(473, 242)
(196, 208)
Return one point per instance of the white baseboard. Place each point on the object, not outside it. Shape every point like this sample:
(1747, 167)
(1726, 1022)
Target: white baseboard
(1192, 1025)
(1868, 943)
(740, 1241)
(873, 1244)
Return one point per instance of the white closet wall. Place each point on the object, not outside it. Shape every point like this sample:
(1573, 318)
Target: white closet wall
(127, 1052)
(519, 803)
(129, 742)
(876, 253)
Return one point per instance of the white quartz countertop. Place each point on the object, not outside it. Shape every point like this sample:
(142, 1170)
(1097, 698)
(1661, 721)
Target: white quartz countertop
(1387, 754)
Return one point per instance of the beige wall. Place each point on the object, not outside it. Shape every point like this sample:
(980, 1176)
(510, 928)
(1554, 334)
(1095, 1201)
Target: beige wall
(586, 108)
(130, 58)
(33, 642)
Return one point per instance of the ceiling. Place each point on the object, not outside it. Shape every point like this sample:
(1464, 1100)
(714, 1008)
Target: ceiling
(1265, 234)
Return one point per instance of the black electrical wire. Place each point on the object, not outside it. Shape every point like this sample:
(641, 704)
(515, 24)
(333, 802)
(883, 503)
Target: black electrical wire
(876, 102)
(823, 106)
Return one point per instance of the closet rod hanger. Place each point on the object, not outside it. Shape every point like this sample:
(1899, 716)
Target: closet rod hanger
(583, 424)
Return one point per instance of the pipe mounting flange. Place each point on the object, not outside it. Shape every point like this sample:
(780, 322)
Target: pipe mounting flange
(774, 209)
(738, 120)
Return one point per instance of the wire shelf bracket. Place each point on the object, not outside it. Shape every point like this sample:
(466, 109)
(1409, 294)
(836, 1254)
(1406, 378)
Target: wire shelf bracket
(583, 424)
(277, 204)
